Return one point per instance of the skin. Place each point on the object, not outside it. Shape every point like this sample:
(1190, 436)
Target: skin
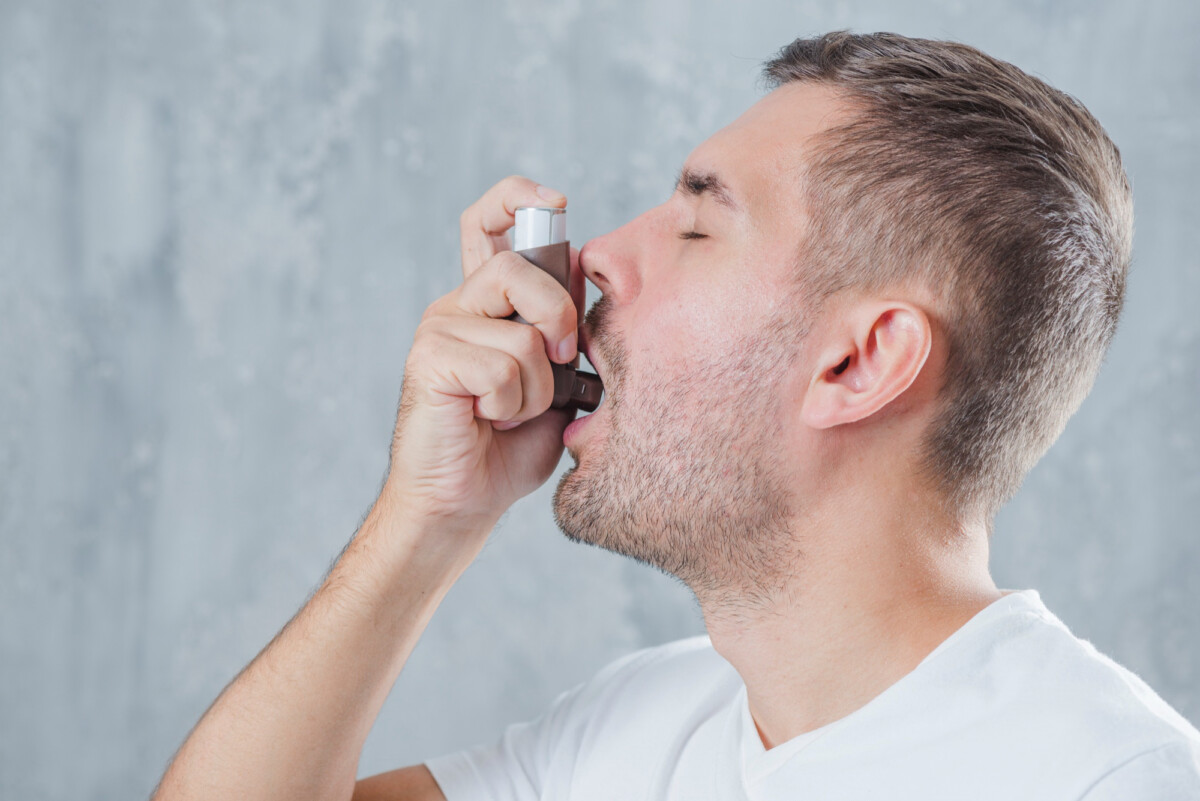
(758, 447)
(783, 491)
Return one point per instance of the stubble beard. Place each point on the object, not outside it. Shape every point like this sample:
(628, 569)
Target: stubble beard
(687, 477)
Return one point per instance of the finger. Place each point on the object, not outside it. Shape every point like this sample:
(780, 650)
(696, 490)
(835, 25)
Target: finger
(465, 370)
(549, 427)
(484, 222)
(508, 283)
(523, 343)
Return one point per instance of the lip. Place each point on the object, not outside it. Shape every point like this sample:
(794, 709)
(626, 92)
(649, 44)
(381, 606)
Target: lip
(573, 429)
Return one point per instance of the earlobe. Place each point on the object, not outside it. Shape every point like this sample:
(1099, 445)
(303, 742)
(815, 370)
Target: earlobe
(875, 353)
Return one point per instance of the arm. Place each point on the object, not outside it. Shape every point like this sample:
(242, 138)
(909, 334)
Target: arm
(414, 782)
(474, 432)
(293, 723)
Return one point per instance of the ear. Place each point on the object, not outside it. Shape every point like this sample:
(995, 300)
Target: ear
(873, 353)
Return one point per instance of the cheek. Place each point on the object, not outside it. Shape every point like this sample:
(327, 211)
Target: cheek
(695, 322)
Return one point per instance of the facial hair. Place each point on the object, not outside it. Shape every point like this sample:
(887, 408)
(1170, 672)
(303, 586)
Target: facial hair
(686, 477)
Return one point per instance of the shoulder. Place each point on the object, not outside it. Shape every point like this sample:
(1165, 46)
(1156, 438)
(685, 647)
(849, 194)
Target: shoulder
(622, 715)
(1079, 703)
(1097, 687)
(661, 693)
(677, 669)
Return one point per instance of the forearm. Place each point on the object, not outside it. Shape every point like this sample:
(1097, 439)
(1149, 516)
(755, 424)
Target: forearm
(293, 723)
(474, 432)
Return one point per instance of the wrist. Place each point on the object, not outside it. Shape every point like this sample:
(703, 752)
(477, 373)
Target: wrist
(406, 545)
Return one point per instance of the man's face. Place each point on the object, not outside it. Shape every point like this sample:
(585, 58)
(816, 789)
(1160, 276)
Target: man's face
(685, 464)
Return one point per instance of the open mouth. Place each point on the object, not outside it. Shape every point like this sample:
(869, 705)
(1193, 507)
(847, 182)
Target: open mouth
(586, 392)
(577, 425)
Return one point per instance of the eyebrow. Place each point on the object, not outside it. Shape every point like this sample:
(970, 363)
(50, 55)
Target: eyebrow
(698, 183)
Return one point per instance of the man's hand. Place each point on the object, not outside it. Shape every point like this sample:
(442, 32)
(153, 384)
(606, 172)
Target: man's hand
(472, 435)
(475, 431)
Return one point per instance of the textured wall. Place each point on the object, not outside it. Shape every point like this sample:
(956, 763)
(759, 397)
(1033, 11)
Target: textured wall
(219, 223)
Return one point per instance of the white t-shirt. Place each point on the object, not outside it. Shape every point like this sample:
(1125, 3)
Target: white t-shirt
(1011, 706)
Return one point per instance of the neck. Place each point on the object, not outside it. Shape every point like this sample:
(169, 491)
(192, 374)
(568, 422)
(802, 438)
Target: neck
(874, 594)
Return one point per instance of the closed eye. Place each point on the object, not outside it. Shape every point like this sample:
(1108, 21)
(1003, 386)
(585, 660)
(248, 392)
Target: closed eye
(693, 235)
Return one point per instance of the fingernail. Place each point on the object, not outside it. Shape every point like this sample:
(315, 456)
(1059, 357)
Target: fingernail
(505, 426)
(546, 193)
(566, 348)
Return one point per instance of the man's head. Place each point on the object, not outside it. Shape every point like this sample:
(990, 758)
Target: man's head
(912, 262)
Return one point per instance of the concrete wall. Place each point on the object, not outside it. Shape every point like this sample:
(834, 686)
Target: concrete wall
(219, 223)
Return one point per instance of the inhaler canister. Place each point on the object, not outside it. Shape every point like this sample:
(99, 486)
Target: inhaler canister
(538, 226)
(540, 235)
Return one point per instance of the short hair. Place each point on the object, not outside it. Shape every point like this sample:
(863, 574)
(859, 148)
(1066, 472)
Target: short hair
(1001, 194)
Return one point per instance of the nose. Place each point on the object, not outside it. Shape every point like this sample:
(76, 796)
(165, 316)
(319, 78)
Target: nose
(611, 263)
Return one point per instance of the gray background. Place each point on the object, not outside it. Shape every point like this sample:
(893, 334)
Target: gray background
(219, 223)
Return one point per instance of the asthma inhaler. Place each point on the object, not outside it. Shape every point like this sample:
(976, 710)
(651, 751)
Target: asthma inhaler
(540, 236)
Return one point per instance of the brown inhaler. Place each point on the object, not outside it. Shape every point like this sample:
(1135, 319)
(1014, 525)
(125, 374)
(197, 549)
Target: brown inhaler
(540, 236)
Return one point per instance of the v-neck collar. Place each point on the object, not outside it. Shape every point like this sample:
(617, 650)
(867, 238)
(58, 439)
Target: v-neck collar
(758, 762)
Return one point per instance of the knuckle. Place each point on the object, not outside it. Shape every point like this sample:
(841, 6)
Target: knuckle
(430, 325)
(424, 344)
(420, 335)
(432, 312)
(509, 262)
(506, 266)
(530, 341)
(440, 306)
(508, 372)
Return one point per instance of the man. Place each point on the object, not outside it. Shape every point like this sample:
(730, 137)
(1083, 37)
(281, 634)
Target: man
(868, 309)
